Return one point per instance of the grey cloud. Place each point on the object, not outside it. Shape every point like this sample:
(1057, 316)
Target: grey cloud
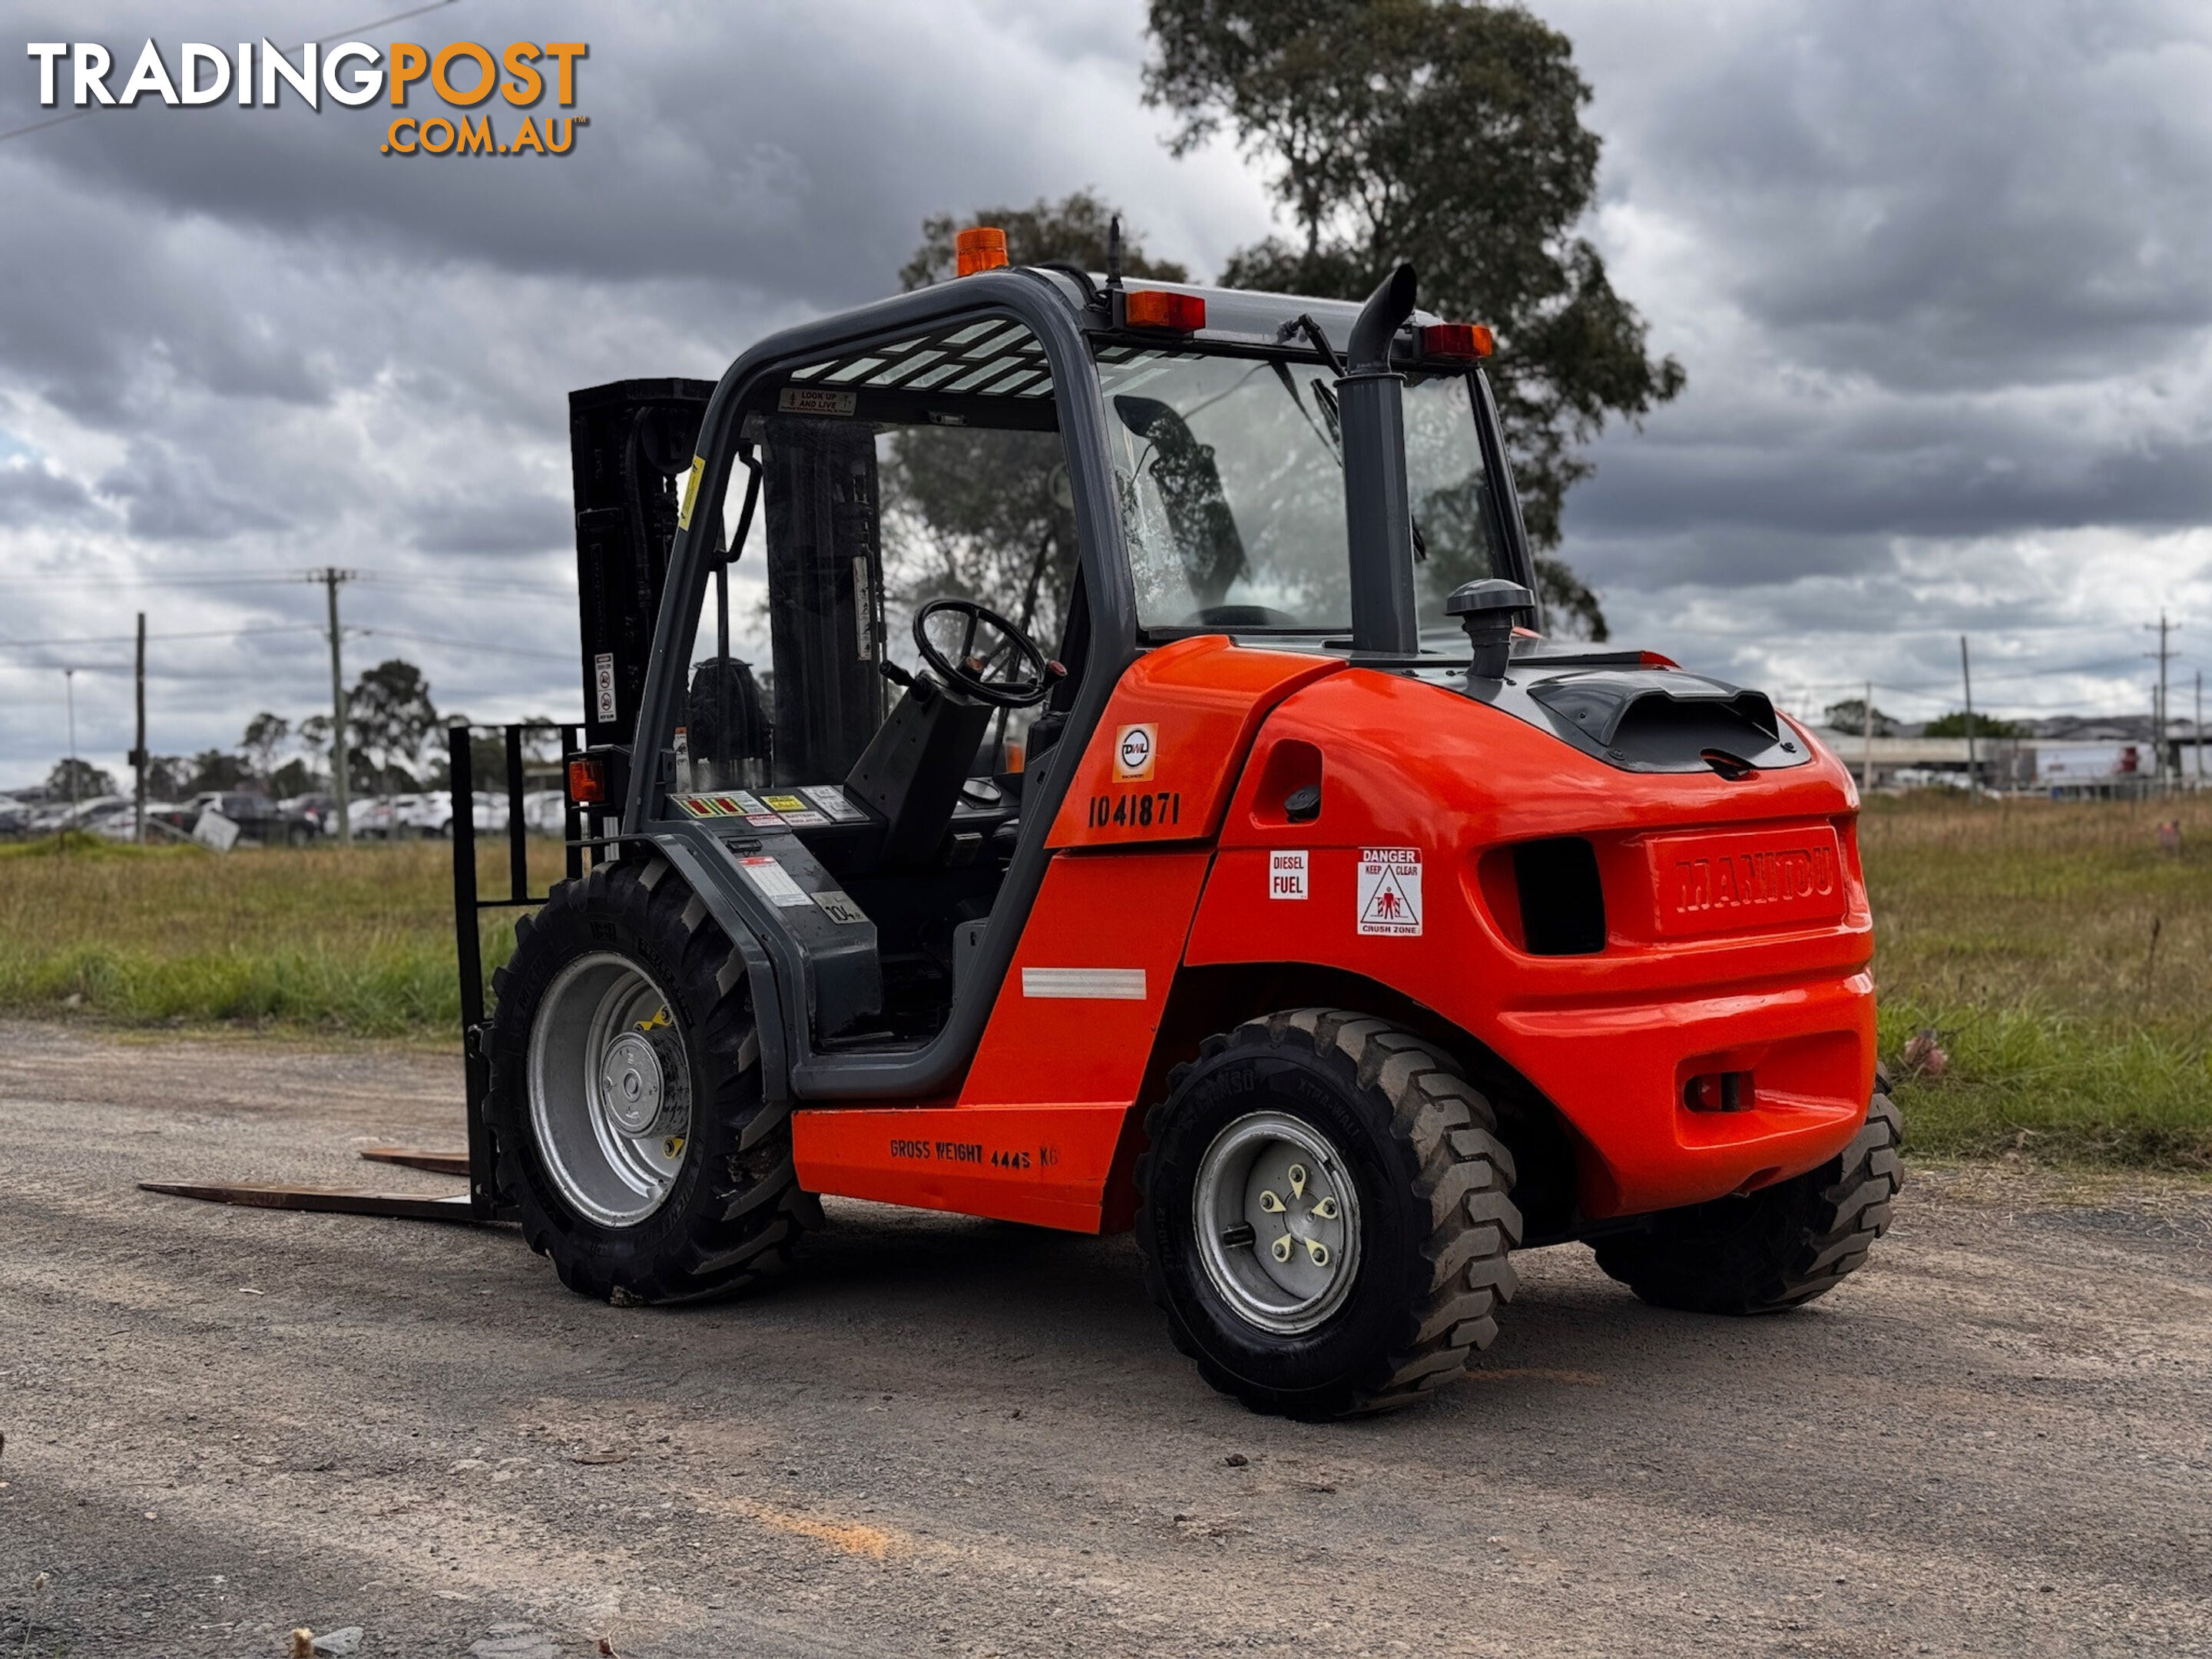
(170, 494)
(1944, 196)
(528, 523)
(32, 492)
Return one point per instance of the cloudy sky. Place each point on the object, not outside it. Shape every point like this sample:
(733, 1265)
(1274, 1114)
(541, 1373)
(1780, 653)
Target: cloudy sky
(1941, 277)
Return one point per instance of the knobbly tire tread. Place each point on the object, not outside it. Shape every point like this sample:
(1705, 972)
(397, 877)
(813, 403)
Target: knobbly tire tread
(1776, 1249)
(738, 1209)
(1458, 1176)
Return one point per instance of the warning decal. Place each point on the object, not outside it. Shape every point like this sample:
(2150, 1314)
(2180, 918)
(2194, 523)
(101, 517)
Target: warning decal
(774, 882)
(691, 492)
(814, 400)
(831, 800)
(1390, 892)
(603, 684)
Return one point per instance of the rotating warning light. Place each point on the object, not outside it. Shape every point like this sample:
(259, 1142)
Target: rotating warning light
(983, 247)
(1464, 340)
(587, 781)
(1150, 308)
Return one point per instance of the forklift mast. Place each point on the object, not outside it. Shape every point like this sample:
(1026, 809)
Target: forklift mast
(630, 445)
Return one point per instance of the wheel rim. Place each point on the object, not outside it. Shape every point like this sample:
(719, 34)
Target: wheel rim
(610, 1090)
(1276, 1215)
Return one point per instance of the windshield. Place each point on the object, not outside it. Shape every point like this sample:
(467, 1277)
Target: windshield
(1230, 478)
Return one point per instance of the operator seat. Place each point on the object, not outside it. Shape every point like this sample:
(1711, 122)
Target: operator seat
(912, 771)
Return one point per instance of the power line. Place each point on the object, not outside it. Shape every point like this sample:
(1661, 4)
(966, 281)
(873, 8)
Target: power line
(197, 634)
(381, 579)
(468, 645)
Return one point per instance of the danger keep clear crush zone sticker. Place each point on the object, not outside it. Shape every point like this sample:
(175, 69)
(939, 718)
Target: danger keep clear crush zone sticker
(1390, 892)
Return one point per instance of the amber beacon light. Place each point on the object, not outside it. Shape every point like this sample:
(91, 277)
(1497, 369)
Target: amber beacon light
(981, 248)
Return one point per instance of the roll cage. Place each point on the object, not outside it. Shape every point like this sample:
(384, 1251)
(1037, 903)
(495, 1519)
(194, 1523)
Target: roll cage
(1060, 316)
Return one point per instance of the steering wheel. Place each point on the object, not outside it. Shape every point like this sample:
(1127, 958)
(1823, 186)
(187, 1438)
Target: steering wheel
(971, 674)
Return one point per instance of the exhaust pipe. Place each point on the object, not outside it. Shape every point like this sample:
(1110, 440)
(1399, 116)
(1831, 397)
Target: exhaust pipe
(1377, 508)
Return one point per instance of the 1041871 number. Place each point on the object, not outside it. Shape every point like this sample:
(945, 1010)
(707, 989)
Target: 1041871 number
(1153, 809)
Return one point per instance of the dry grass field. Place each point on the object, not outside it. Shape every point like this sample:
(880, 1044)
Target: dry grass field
(2061, 958)
(359, 942)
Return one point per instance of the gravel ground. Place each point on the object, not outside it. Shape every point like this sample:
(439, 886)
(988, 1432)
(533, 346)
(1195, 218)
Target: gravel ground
(953, 1436)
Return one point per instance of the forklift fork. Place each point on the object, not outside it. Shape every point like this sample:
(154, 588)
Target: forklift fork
(480, 1203)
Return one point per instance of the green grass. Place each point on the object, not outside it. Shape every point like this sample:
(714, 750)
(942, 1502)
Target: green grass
(321, 940)
(2021, 934)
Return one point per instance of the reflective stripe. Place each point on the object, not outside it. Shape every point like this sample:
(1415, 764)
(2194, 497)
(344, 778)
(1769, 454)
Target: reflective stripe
(1093, 984)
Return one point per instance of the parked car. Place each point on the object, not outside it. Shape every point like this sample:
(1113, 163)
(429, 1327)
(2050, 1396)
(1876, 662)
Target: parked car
(121, 823)
(14, 817)
(258, 817)
(546, 812)
(310, 817)
(372, 817)
(57, 816)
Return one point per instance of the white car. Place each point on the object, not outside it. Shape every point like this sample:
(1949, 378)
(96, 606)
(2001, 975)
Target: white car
(57, 816)
(371, 816)
(121, 823)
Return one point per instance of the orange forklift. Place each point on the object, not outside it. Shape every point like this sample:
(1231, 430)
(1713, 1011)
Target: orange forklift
(1271, 883)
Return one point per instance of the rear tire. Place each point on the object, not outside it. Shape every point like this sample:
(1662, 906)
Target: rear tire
(1776, 1249)
(1324, 1128)
(686, 1187)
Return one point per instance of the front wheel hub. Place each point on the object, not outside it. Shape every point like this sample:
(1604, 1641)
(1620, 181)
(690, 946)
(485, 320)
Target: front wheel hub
(610, 1090)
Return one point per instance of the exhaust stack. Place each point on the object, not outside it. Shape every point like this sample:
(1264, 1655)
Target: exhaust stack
(1378, 512)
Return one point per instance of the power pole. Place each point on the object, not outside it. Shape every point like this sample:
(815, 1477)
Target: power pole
(138, 754)
(2198, 723)
(1866, 740)
(68, 689)
(332, 579)
(2159, 722)
(1966, 673)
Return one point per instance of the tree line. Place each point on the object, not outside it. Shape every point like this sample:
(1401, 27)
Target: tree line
(1441, 131)
(394, 746)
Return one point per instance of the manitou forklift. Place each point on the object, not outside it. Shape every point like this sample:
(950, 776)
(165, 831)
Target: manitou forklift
(1271, 883)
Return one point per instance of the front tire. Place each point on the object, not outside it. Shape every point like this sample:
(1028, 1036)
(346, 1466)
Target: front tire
(1776, 1249)
(630, 1128)
(1325, 1214)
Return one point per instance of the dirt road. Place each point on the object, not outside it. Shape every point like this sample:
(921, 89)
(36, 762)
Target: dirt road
(948, 1437)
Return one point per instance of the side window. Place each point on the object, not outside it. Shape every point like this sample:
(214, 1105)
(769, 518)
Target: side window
(931, 468)
(1456, 513)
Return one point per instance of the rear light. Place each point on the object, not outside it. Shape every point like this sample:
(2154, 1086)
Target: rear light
(981, 248)
(587, 781)
(1463, 341)
(1150, 308)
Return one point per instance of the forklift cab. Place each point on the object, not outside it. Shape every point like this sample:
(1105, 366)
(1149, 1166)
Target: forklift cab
(862, 756)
